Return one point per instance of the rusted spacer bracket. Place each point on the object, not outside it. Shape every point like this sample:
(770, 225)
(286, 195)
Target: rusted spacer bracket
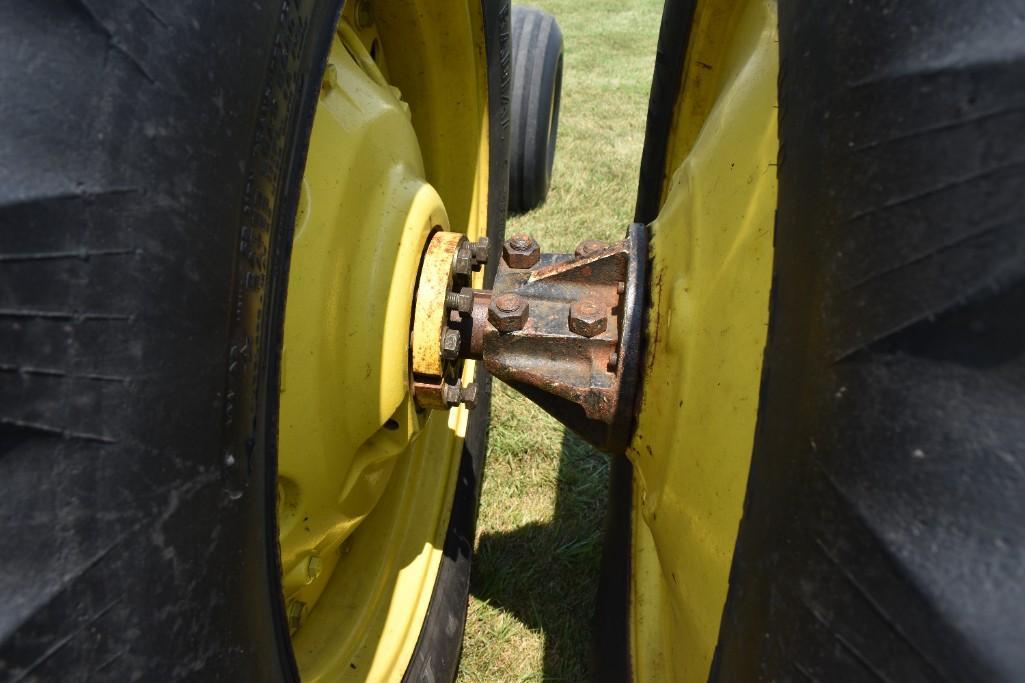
(565, 331)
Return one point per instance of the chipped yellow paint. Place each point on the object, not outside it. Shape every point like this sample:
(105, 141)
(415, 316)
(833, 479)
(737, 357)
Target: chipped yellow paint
(398, 149)
(711, 276)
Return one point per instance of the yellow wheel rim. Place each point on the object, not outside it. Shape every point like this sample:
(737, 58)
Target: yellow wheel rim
(711, 277)
(398, 149)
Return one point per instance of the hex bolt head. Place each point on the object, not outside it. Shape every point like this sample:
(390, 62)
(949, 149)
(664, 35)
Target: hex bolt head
(508, 312)
(468, 395)
(480, 250)
(508, 302)
(463, 263)
(459, 301)
(520, 240)
(450, 394)
(588, 247)
(521, 251)
(587, 318)
(454, 394)
(450, 341)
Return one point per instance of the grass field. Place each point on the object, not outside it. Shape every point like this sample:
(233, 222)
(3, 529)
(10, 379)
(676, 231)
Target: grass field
(543, 504)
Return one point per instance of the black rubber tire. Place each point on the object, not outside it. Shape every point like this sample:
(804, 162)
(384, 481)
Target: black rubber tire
(884, 527)
(150, 155)
(536, 90)
(883, 535)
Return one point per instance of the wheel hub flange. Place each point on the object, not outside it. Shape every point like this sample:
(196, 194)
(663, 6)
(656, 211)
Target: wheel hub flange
(443, 295)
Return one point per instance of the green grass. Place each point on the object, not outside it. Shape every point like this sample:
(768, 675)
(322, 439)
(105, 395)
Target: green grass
(543, 504)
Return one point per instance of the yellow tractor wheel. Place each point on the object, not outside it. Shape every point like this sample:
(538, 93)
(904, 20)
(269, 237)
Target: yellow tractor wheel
(400, 149)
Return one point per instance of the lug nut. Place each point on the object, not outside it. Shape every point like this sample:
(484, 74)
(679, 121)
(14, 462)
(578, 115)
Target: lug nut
(480, 250)
(588, 247)
(454, 394)
(450, 395)
(521, 251)
(519, 241)
(459, 301)
(508, 302)
(587, 318)
(463, 264)
(508, 312)
(468, 395)
(450, 344)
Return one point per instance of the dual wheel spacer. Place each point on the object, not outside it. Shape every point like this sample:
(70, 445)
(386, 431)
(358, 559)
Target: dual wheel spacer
(562, 329)
(443, 294)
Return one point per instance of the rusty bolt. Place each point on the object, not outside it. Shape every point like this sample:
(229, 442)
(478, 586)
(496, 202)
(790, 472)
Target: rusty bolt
(450, 394)
(459, 301)
(508, 312)
(480, 250)
(454, 394)
(587, 318)
(521, 251)
(468, 395)
(588, 247)
(463, 264)
(520, 240)
(508, 302)
(450, 344)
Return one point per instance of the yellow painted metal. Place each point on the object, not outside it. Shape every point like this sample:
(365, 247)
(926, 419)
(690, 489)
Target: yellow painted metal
(348, 310)
(365, 480)
(711, 276)
(440, 65)
(430, 316)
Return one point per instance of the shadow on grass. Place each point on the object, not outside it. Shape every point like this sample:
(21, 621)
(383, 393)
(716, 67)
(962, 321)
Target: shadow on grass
(546, 575)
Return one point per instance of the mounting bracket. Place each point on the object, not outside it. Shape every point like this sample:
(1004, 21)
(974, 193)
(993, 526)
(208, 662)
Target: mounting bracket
(562, 329)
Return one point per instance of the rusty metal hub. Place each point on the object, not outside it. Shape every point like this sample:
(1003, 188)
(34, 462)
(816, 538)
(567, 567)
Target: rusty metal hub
(562, 329)
(442, 294)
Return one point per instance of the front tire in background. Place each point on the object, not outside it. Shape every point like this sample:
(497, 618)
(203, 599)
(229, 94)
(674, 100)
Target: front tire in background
(536, 90)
